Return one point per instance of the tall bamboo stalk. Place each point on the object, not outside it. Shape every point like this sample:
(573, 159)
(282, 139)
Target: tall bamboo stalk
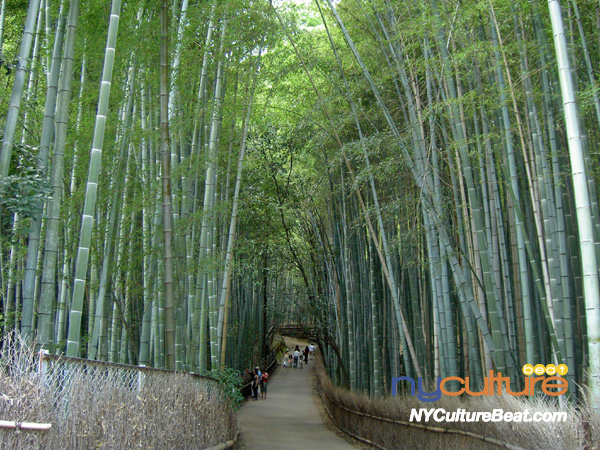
(33, 246)
(167, 213)
(85, 236)
(585, 225)
(228, 268)
(53, 229)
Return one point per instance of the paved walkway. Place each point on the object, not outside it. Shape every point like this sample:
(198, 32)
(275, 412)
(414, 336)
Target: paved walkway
(288, 419)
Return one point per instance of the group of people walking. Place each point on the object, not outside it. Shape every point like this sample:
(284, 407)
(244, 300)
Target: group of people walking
(260, 383)
(292, 359)
(260, 379)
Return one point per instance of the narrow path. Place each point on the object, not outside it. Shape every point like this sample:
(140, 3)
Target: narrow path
(288, 419)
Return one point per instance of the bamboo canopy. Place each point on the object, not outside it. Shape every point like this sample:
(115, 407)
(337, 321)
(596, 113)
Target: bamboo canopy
(414, 181)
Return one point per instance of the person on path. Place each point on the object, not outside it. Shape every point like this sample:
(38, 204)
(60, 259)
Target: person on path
(255, 384)
(264, 379)
(297, 355)
(259, 379)
(286, 358)
(306, 353)
(311, 348)
(260, 382)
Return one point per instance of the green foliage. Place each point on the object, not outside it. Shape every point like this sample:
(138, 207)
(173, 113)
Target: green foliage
(231, 382)
(23, 192)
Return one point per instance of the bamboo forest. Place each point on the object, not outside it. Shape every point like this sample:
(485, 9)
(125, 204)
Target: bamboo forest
(413, 182)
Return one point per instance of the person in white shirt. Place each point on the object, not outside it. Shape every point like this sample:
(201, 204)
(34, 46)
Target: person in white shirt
(297, 354)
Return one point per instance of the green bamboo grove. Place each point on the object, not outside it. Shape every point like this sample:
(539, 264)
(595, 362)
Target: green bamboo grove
(415, 180)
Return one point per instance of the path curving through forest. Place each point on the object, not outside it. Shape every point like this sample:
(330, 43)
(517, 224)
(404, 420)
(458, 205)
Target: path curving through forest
(288, 419)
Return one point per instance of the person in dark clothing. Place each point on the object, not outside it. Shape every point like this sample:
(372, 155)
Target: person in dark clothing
(264, 384)
(255, 383)
(306, 353)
